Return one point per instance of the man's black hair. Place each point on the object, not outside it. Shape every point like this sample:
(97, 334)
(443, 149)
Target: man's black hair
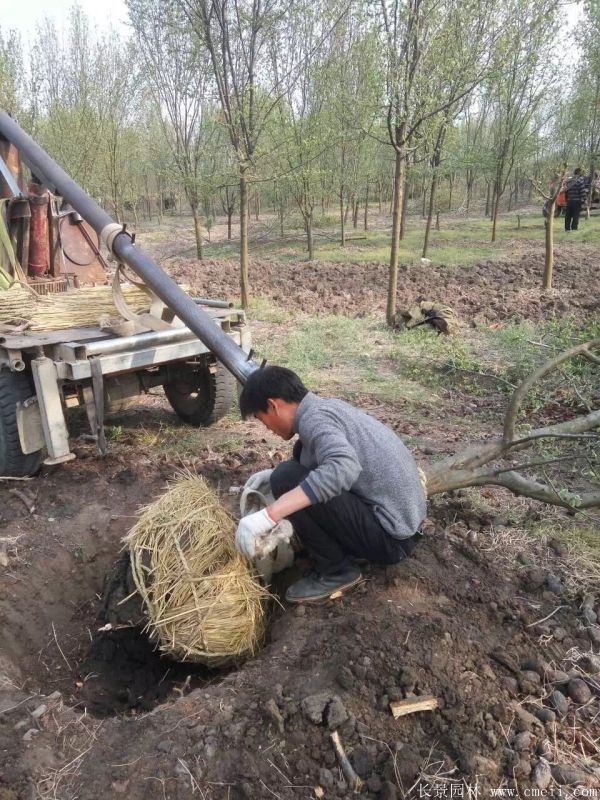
(270, 383)
(577, 171)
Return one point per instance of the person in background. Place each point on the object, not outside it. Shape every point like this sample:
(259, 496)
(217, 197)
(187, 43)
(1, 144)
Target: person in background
(351, 490)
(576, 193)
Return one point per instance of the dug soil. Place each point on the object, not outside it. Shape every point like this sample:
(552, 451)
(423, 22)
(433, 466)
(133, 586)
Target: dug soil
(483, 618)
(492, 291)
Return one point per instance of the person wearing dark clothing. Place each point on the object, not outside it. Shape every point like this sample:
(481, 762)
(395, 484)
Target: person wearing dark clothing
(351, 490)
(576, 192)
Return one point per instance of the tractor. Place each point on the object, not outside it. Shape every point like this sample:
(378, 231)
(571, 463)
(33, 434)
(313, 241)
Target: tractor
(52, 242)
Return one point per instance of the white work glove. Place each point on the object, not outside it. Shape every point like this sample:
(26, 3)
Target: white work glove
(250, 530)
(260, 481)
(256, 492)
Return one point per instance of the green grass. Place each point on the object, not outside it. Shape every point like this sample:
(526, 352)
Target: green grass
(354, 357)
(460, 240)
(265, 310)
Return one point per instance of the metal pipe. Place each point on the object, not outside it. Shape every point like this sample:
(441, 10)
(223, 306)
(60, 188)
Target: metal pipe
(136, 342)
(206, 301)
(39, 249)
(55, 178)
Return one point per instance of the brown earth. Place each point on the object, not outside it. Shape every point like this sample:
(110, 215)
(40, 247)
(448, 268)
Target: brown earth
(484, 617)
(492, 291)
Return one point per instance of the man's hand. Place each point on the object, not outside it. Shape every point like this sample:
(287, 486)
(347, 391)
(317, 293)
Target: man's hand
(250, 529)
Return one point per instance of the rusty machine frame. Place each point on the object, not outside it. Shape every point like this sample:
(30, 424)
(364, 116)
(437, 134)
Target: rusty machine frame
(195, 348)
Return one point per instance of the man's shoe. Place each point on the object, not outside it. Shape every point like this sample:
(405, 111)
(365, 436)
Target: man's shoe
(317, 587)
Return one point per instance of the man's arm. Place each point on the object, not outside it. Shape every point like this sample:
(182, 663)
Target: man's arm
(337, 467)
(291, 501)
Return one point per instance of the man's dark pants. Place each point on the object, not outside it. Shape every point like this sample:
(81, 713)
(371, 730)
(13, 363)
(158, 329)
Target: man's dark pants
(340, 529)
(572, 212)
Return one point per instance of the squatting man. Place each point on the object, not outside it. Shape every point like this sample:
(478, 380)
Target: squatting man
(351, 489)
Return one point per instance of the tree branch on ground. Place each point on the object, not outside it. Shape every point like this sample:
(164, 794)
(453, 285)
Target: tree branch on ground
(480, 464)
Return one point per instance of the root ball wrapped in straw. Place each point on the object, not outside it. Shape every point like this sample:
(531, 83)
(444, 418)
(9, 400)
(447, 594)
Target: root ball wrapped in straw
(203, 602)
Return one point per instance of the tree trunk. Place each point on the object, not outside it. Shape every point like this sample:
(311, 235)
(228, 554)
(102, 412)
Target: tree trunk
(342, 220)
(496, 204)
(161, 201)
(404, 204)
(399, 174)
(437, 221)
(308, 222)
(487, 199)
(148, 200)
(355, 209)
(244, 282)
(430, 213)
(366, 214)
(281, 218)
(451, 180)
(197, 231)
(470, 179)
(229, 218)
(549, 241)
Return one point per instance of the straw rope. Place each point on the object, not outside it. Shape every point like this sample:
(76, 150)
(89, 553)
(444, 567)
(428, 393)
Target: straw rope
(203, 603)
(66, 309)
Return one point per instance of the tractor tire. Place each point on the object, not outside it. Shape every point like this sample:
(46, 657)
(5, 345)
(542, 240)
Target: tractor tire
(199, 396)
(14, 387)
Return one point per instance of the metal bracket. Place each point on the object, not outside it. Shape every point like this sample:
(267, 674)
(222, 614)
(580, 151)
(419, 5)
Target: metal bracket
(29, 426)
(97, 417)
(51, 410)
(10, 179)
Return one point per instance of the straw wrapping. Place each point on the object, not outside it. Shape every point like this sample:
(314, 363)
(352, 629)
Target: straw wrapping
(203, 602)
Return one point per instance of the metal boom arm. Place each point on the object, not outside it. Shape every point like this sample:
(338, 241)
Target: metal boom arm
(124, 249)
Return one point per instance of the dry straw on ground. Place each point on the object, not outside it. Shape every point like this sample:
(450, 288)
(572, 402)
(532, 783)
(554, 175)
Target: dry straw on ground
(203, 602)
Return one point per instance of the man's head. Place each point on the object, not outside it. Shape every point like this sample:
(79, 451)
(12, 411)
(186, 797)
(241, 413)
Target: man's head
(272, 395)
(577, 171)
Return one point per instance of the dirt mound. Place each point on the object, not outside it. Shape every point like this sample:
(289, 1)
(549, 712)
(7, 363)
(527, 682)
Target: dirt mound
(491, 291)
(496, 641)
(481, 617)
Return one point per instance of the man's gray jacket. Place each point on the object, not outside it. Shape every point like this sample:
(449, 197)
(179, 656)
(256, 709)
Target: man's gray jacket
(348, 450)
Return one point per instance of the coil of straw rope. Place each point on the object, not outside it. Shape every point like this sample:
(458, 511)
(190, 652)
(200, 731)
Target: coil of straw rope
(202, 600)
(66, 309)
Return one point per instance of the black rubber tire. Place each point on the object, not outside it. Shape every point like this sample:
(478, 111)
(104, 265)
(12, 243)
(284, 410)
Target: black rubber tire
(198, 396)
(14, 386)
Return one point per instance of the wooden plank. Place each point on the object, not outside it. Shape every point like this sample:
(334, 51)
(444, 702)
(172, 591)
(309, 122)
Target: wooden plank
(26, 339)
(400, 708)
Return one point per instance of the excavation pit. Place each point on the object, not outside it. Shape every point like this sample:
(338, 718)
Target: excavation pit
(123, 672)
(104, 672)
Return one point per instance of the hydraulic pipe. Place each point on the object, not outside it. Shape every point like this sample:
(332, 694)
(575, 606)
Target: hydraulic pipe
(138, 341)
(39, 248)
(206, 301)
(57, 180)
